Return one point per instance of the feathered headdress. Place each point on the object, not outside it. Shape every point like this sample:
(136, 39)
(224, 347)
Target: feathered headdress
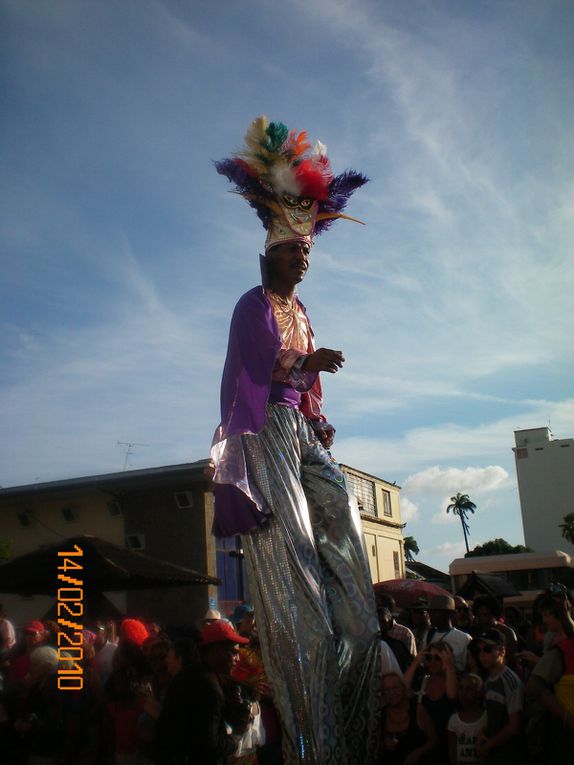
(289, 184)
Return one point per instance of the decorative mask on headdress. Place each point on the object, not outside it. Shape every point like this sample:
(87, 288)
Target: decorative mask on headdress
(288, 183)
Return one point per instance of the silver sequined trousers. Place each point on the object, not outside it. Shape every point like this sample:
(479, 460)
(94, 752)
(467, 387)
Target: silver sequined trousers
(313, 598)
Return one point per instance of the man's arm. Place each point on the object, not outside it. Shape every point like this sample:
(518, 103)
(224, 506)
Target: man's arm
(509, 731)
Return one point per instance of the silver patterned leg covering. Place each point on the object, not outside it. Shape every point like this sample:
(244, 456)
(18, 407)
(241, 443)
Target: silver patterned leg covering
(313, 597)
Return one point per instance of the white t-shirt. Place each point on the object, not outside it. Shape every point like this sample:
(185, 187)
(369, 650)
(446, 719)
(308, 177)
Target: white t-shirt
(467, 734)
(388, 660)
(458, 641)
(7, 635)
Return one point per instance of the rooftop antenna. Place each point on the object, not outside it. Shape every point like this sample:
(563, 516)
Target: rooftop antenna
(129, 450)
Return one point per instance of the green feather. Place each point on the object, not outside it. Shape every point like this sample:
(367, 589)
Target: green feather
(277, 134)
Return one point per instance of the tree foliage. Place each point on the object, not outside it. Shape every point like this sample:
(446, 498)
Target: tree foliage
(497, 547)
(461, 505)
(411, 548)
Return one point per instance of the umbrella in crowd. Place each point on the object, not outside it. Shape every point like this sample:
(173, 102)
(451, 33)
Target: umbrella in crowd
(406, 591)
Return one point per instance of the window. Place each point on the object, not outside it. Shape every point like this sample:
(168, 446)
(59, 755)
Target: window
(114, 508)
(69, 514)
(183, 499)
(396, 564)
(364, 491)
(24, 519)
(387, 503)
(521, 453)
(135, 541)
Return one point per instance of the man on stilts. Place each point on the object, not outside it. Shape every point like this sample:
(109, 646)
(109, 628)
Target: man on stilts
(275, 481)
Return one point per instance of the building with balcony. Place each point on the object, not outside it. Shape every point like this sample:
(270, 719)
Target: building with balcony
(379, 506)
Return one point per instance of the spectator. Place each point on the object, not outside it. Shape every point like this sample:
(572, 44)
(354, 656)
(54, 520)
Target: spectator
(105, 649)
(181, 654)
(551, 683)
(466, 725)
(395, 631)
(40, 717)
(84, 712)
(192, 725)
(265, 733)
(501, 742)
(437, 692)
(420, 622)
(33, 637)
(442, 610)
(7, 638)
(397, 647)
(128, 699)
(156, 650)
(408, 734)
(243, 619)
(463, 617)
(487, 612)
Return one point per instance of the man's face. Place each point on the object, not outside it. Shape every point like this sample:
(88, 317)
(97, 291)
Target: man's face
(226, 656)
(33, 638)
(246, 625)
(440, 619)
(490, 655)
(289, 262)
(485, 617)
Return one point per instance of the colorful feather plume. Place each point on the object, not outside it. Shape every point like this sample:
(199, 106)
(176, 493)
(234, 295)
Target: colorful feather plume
(274, 162)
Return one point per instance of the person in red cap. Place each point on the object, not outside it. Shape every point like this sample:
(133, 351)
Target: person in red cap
(196, 722)
(33, 635)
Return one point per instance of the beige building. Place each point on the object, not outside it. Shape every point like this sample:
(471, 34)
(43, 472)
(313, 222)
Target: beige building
(545, 472)
(167, 513)
(529, 573)
(379, 505)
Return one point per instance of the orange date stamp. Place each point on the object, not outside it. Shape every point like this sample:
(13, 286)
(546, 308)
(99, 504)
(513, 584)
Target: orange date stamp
(70, 606)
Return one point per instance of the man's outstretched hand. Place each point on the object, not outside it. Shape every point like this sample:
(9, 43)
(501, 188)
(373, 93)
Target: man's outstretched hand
(324, 360)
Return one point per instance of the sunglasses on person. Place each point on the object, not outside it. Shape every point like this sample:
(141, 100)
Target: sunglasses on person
(486, 648)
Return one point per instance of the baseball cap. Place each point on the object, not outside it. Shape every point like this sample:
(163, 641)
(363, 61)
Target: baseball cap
(35, 626)
(240, 611)
(220, 631)
(491, 636)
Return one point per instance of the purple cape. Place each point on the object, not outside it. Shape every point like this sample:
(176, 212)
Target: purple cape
(254, 341)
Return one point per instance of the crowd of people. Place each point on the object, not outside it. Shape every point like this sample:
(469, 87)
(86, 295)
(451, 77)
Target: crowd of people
(472, 685)
(462, 684)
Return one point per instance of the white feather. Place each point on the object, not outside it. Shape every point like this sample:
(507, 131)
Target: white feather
(283, 180)
(319, 149)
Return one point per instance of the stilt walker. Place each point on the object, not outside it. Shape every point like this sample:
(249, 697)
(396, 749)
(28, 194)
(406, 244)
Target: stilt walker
(275, 481)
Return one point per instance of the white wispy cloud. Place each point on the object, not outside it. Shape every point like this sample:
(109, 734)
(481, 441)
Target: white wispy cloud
(446, 442)
(464, 480)
(409, 510)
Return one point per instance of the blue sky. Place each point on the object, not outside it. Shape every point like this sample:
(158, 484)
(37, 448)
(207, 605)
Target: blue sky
(123, 252)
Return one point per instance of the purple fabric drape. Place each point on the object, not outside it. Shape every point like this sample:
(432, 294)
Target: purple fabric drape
(246, 389)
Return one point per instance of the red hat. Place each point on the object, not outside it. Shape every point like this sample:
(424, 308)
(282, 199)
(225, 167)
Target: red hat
(219, 631)
(35, 626)
(134, 630)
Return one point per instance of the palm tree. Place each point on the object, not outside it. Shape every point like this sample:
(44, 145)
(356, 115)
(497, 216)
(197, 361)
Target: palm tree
(461, 505)
(568, 528)
(411, 548)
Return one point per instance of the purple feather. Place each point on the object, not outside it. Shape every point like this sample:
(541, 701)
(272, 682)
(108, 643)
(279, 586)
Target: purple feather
(340, 190)
(245, 183)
